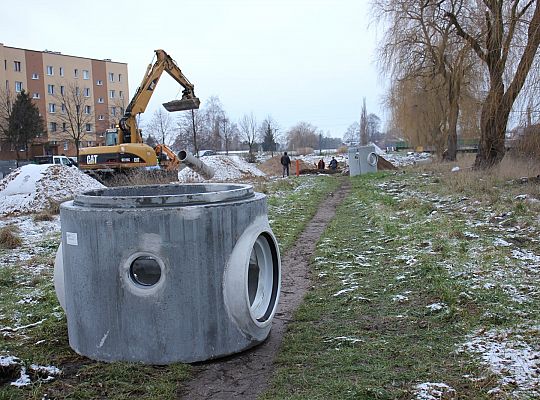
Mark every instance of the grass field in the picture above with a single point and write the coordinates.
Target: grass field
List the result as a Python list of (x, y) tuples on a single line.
[(422, 287)]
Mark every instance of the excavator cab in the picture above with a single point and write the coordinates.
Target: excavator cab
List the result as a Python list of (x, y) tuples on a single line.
[(111, 137)]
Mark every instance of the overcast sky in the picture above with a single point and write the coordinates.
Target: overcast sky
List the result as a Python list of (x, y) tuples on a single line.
[(296, 60)]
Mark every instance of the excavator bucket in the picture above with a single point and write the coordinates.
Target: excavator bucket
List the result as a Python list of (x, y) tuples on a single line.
[(182, 104)]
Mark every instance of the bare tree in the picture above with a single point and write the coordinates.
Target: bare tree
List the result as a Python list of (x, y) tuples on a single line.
[(303, 134), (248, 132), (229, 132), (214, 114), (76, 113), (162, 127), (504, 35), (419, 45), (373, 127), (352, 134), (363, 125)]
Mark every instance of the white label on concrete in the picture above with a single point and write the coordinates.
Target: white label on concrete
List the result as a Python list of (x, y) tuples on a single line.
[(71, 238)]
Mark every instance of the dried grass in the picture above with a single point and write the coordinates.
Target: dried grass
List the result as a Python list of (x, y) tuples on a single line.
[(141, 177), (529, 144), (9, 237), (467, 181)]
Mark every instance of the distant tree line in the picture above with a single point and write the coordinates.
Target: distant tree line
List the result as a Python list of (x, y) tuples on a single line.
[(210, 127)]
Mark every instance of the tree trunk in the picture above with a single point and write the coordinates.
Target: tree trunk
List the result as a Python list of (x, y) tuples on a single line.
[(493, 123), (453, 114)]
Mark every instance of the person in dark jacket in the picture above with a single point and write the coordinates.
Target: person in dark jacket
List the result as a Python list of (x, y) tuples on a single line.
[(285, 162), (321, 164), (333, 164)]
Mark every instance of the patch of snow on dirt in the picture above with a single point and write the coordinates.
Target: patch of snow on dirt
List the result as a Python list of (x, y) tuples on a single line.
[(31, 188), (226, 168), (434, 391), (508, 356)]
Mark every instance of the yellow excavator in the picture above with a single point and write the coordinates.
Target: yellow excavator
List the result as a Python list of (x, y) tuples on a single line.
[(124, 148)]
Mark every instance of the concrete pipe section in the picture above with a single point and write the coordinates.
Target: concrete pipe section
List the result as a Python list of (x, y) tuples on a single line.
[(167, 273)]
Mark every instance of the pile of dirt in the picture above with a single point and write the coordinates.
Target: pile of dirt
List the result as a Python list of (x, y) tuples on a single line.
[(32, 188), (226, 168), (273, 166)]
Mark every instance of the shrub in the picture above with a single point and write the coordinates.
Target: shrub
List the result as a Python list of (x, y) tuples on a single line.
[(529, 143), (9, 237)]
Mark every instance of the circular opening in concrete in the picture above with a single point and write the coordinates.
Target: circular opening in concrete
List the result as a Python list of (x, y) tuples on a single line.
[(164, 195), (263, 278), (145, 271)]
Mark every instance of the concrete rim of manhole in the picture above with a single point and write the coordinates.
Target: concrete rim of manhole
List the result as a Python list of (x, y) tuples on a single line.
[(170, 195)]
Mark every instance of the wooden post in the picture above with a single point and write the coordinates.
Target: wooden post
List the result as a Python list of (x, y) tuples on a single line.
[(297, 167)]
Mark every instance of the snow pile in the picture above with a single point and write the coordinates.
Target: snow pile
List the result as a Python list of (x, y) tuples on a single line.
[(410, 158), (32, 187), (226, 168), (434, 391), (507, 355)]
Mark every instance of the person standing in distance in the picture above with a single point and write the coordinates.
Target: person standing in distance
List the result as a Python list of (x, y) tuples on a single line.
[(285, 162)]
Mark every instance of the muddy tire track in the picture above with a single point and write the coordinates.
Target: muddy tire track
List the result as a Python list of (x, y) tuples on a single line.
[(247, 375)]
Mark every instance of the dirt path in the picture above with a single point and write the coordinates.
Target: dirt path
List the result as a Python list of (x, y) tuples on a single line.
[(247, 375)]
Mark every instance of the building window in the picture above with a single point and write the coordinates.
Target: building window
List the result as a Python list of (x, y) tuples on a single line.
[(61, 71), (50, 89), (52, 126), (119, 77), (64, 127), (5, 65), (86, 92), (111, 76), (121, 94), (101, 117), (62, 91), (111, 94), (63, 108), (36, 96), (88, 127), (87, 109), (66, 145), (113, 111), (18, 86), (89, 143), (100, 100), (85, 74), (99, 82), (77, 91), (52, 107), (121, 110), (50, 70), (35, 76), (17, 66), (76, 73)]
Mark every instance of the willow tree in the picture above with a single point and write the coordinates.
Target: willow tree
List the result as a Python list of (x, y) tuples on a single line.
[(504, 35), (419, 46)]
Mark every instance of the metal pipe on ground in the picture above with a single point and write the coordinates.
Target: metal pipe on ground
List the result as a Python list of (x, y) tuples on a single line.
[(196, 164)]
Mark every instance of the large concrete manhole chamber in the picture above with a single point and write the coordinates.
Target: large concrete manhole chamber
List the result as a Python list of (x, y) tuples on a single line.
[(167, 273)]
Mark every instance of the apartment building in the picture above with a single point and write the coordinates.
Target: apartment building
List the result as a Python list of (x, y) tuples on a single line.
[(49, 77)]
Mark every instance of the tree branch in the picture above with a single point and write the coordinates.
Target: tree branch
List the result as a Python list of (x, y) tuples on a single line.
[(468, 38)]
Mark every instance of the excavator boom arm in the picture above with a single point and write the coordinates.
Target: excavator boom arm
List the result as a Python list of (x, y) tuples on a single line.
[(140, 100)]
